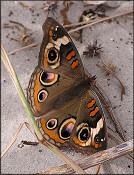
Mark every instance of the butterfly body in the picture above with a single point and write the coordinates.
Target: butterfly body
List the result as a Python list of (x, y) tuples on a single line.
[(60, 94)]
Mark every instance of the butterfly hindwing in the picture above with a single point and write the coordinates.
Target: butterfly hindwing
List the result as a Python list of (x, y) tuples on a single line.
[(89, 134), (56, 126)]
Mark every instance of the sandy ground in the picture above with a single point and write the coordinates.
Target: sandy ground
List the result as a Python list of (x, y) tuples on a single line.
[(117, 46)]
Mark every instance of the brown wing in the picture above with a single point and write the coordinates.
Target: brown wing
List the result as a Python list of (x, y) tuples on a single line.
[(56, 126), (58, 53), (90, 133), (43, 89)]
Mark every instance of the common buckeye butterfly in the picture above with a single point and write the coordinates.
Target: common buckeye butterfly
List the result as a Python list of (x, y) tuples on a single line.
[(60, 94)]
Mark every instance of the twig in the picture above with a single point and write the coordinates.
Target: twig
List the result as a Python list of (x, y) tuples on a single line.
[(130, 17), (24, 142), (26, 47), (96, 20), (71, 31), (7, 26), (64, 13), (94, 159), (101, 20), (80, 23), (117, 139), (24, 38), (22, 4), (14, 22)]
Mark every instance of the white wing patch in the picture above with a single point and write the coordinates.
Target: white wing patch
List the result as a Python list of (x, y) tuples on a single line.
[(88, 142), (56, 44), (50, 45), (64, 40), (95, 131)]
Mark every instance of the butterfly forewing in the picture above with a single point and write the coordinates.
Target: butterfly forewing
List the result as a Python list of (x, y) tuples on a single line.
[(58, 53)]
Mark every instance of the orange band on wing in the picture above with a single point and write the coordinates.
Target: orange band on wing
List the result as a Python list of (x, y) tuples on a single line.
[(50, 33), (45, 59), (52, 133), (70, 55), (76, 140), (93, 143), (52, 28), (96, 145), (100, 145), (92, 114), (36, 90), (74, 64), (90, 104)]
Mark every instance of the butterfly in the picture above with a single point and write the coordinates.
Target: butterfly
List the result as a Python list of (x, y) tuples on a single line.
[(69, 113)]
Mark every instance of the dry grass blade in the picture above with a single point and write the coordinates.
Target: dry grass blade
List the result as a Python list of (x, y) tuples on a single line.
[(6, 61), (30, 128), (16, 135), (97, 169), (94, 159), (13, 140)]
